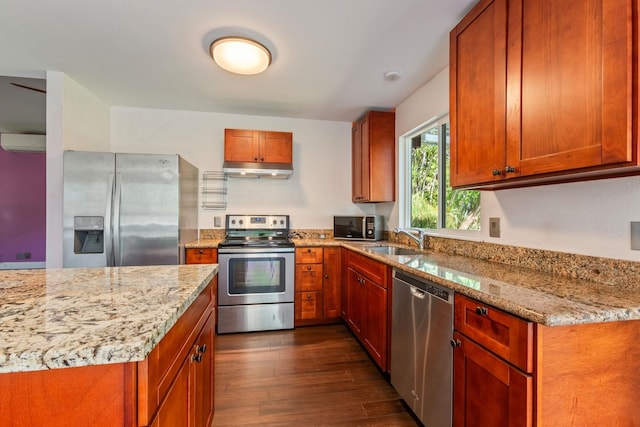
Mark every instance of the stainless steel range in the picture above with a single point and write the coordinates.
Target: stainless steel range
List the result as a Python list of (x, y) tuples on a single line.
[(256, 274)]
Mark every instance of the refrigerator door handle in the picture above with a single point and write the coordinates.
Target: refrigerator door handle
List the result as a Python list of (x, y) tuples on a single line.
[(108, 215), (116, 220)]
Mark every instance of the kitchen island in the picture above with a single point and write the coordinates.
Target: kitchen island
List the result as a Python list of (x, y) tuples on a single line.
[(106, 346)]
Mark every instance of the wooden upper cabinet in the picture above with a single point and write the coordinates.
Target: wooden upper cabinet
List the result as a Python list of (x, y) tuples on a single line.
[(373, 158), (478, 94), (258, 146), (550, 97)]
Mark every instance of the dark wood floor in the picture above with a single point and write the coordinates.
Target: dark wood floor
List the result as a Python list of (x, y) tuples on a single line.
[(308, 376)]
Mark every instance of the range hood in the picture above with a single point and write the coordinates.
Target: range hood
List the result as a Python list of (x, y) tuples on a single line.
[(257, 170)]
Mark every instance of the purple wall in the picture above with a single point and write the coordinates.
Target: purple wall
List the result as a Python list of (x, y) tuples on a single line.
[(22, 206)]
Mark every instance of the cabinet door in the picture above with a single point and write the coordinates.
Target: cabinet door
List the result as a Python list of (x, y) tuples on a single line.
[(487, 391), (375, 322), (276, 147), (359, 168), (478, 67), (174, 410), (332, 270), (241, 145), (201, 379), (355, 301), (576, 84)]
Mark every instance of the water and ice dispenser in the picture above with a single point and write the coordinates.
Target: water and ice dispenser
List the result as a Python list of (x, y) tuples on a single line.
[(88, 234)]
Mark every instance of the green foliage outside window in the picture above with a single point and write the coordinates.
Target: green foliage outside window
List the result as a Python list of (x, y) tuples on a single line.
[(462, 207)]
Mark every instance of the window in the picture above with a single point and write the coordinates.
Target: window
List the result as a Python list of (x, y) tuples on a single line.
[(430, 202)]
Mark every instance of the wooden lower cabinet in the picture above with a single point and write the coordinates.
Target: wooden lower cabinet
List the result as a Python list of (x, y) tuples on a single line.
[(487, 390), (367, 311), (201, 256), (318, 282), (511, 372), (172, 387)]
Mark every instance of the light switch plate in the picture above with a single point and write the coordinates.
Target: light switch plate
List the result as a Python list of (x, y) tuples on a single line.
[(217, 221), (494, 227), (635, 235)]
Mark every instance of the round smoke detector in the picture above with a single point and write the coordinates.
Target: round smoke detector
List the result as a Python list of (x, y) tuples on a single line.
[(392, 76)]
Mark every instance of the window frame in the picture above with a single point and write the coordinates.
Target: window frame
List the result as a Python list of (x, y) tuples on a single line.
[(404, 183)]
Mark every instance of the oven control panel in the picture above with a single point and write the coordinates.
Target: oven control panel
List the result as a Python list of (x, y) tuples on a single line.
[(252, 222)]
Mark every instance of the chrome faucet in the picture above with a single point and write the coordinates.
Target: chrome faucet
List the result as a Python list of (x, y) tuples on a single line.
[(419, 239)]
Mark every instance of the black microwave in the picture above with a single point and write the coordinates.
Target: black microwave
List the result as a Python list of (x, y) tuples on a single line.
[(362, 227)]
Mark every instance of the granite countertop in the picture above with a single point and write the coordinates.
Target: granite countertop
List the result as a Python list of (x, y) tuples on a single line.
[(56, 318), (537, 296), (541, 297)]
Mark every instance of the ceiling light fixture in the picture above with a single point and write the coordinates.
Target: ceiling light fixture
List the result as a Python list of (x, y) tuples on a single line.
[(240, 55)]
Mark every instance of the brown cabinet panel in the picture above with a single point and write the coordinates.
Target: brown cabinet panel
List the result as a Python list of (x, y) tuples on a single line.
[(308, 277), (308, 305), (311, 255), (502, 333), (367, 305), (201, 256), (373, 158), (543, 92), (242, 145), (487, 390), (332, 280)]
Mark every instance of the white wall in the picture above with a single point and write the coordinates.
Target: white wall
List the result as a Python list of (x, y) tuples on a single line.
[(76, 120), (590, 218), (319, 187)]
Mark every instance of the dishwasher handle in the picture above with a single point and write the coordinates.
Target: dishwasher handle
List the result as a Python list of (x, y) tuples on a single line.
[(418, 293)]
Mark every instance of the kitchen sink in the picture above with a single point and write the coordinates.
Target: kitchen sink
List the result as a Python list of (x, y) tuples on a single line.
[(391, 250)]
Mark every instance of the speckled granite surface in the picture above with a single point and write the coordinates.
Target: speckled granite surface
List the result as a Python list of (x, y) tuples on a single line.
[(77, 317), (549, 288)]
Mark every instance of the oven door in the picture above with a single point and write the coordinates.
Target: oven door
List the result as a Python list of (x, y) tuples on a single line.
[(255, 276)]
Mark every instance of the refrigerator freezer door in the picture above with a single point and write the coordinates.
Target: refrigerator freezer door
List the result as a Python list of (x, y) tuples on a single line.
[(147, 209), (86, 205)]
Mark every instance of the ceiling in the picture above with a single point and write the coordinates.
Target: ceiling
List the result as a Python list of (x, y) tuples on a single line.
[(329, 57)]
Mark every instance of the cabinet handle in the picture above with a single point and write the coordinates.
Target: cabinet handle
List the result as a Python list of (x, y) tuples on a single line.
[(456, 343), (201, 348), (509, 169), (196, 358), (482, 311), (496, 172)]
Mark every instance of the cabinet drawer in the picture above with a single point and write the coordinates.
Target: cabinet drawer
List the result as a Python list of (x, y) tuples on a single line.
[(308, 277), (308, 255), (372, 269), (308, 305), (201, 256), (504, 334)]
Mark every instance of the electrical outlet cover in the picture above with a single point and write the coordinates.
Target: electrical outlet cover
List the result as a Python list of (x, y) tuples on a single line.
[(635, 235), (494, 227)]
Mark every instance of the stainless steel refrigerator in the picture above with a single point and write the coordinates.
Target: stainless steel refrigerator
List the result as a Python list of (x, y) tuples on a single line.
[(128, 209)]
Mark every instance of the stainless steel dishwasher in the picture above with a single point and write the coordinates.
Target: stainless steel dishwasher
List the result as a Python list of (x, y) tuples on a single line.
[(421, 352)]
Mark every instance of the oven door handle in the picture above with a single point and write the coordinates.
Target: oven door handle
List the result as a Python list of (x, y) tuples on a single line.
[(254, 250)]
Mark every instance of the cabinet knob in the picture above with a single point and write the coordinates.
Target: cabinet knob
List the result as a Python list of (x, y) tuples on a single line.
[(326, 276), (496, 172), (309, 267), (482, 311), (456, 343), (262, 159), (255, 159), (201, 251), (308, 296), (308, 250), (509, 169)]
